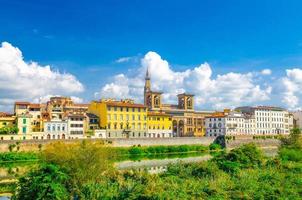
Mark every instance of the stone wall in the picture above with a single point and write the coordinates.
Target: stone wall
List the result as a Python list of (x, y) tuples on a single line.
[(263, 143)]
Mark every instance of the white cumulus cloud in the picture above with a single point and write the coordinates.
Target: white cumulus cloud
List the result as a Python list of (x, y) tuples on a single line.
[(292, 87), (266, 72), (26, 81), (216, 92)]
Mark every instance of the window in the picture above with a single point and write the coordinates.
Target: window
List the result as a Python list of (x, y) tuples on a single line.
[(48, 128), (23, 129), (24, 121)]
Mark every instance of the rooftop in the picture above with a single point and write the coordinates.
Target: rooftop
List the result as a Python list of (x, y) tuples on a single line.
[(34, 105), (4, 114), (21, 103), (158, 114), (185, 94)]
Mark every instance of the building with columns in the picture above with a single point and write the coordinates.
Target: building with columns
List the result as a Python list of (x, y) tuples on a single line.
[(186, 121)]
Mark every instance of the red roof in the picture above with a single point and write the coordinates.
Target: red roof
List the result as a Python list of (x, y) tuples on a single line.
[(123, 104), (21, 103), (4, 114), (158, 114), (35, 105)]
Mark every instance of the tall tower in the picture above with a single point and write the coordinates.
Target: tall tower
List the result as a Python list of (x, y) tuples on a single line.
[(147, 87)]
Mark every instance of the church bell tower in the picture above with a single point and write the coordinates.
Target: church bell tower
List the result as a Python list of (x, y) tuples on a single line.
[(147, 87)]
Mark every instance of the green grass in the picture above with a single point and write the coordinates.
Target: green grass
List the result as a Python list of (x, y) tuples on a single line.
[(18, 156)]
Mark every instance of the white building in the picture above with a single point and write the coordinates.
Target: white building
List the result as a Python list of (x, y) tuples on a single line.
[(76, 126), (270, 120), (250, 121), (56, 129), (231, 123)]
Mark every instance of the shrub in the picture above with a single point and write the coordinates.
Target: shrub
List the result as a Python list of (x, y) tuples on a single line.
[(48, 182), (246, 156), (290, 155), (214, 146), (135, 150)]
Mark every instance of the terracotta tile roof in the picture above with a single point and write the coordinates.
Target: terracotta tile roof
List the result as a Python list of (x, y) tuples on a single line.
[(35, 105), (158, 114), (123, 104), (21, 103), (4, 114), (186, 94)]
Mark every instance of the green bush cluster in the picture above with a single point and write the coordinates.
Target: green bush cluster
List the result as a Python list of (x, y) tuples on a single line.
[(215, 146), (17, 156), (9, 130)]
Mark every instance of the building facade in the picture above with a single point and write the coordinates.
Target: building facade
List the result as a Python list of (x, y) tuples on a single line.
[(159, 125), (230, 123), (270, 120), (76, 126), (55, 129), (121, 119), (260, 120)]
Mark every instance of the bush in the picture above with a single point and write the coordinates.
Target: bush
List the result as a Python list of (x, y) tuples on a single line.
[(290, 155), (246, 156), (214, 146), (17, 156), (135, 150), (48, 182)]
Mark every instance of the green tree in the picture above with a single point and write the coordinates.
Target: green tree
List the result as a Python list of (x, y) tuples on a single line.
[(246, 156), (48, 182)]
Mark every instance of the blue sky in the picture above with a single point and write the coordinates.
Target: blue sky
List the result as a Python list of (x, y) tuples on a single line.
[(85, 38)]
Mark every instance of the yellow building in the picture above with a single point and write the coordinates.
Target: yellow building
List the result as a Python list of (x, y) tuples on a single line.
[(159, 124), (24, 123), (121, 119), (33, 109), (7, 120)]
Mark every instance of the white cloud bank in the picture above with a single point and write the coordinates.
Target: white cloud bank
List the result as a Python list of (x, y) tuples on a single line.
[(226, 90), (27, 81)]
